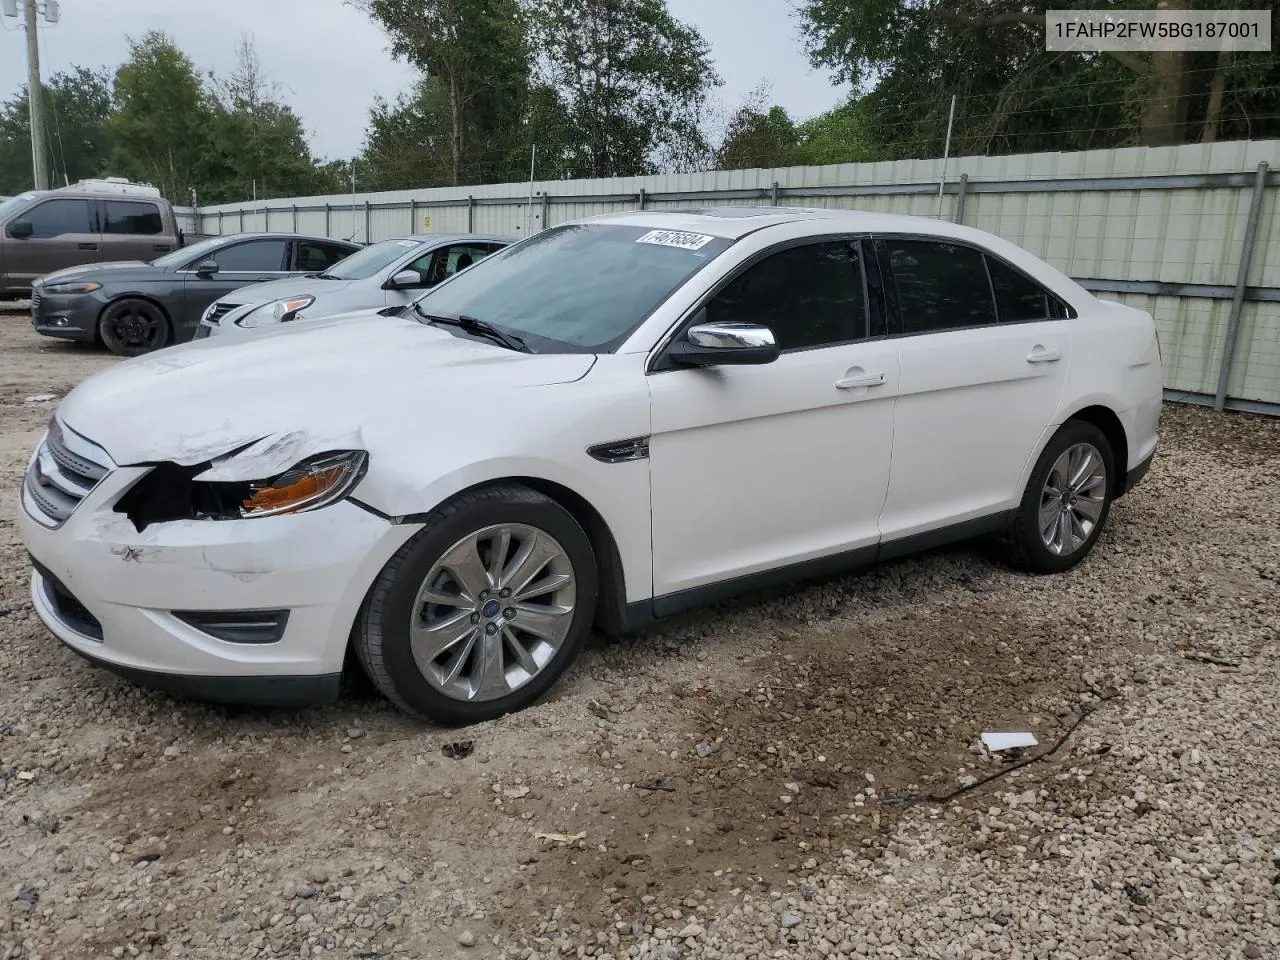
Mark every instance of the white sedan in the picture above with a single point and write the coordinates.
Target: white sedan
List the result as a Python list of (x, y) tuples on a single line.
[(611, 421)]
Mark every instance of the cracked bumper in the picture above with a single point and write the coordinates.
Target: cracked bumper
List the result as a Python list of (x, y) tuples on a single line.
[(317, 566)]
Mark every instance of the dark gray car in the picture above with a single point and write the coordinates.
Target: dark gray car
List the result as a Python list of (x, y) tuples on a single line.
[(134, 307)]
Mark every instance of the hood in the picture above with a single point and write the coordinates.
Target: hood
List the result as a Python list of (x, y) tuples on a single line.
[(291, 392), (279, 289), (89, 269)]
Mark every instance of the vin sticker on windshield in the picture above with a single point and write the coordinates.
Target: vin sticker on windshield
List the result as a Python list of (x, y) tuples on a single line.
[(675, 238)]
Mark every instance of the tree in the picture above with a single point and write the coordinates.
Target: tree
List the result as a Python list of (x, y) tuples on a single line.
[(260, 145), (633, 80), (474, 55), (78, 109), (165, 118), (915, 54), (758, 135)]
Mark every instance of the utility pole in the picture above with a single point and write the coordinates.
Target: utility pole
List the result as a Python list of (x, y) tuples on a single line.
[(35, 100)]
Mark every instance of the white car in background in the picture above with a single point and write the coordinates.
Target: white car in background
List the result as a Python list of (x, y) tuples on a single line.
[(385, 274), (611, 421)]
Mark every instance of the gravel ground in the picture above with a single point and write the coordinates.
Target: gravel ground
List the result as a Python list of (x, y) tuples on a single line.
[(792, 775)]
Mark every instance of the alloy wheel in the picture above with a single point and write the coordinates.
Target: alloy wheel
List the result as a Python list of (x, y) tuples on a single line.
[(1073, 498), (493, 612)]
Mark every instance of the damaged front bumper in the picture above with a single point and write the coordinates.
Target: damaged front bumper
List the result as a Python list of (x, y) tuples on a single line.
[(252, 610)]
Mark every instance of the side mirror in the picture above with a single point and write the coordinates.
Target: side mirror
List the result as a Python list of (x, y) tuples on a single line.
[(714, 344), (21, 229), (206, 268), (406, 278)]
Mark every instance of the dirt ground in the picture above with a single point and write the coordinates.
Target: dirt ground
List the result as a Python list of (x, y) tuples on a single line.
[(731, 754)]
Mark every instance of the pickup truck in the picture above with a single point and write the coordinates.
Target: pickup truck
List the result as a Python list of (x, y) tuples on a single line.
[(90, 222)]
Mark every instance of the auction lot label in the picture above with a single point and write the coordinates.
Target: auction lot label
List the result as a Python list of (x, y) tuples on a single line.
[(1244, 30)]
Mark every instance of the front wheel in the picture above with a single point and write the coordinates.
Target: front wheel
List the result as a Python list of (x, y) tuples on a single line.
[(1066, 502), (130, 327), (483, 610)]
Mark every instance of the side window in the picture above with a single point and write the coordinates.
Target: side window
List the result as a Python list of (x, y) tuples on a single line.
[(131, 216), (316, 257), (941, 286), (810, 296), (462, 255), (53, 218), (1019, 298), (254, 256)]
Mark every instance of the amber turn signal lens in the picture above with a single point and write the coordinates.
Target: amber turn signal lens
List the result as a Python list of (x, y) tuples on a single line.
[(303, 490)]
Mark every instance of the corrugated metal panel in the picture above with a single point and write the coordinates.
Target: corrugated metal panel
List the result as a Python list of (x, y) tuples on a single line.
[(1185, 235)]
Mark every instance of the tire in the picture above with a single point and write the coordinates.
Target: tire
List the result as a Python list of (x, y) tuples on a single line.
[(418, 678), (1031, 543), (131, 326)]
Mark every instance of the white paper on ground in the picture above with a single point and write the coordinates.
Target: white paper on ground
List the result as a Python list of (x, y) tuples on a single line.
[(1008, 741)]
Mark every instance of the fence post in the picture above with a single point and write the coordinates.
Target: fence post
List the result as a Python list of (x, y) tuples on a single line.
[(960, 194), (368, 219), (1242, 279), (413, 216), (295, 218), (241, 212), (471, 214), (642, 198), (220, 230), (327, 231), (773, 194), (546, 209)]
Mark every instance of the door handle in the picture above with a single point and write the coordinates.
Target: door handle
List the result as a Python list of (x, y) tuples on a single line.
[(1041, 355), (87, 246), (863, 380)]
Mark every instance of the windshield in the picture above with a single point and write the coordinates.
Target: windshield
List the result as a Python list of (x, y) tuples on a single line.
[(580, 288), (365, 263), (15, 203), (190, 253)]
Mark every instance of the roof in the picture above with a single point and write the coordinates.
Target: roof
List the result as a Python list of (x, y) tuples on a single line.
[(736, 222), (278, 235), (450, 237)]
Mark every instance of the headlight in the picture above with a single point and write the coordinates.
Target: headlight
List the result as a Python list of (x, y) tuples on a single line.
[(208, 312), (169, 492), (278, 311), (71, 287), (311, 484)]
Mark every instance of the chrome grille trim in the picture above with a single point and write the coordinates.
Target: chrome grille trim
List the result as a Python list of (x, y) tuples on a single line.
[(64, 471)]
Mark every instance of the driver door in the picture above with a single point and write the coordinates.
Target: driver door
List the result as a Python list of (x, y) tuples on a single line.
[(755, 468)]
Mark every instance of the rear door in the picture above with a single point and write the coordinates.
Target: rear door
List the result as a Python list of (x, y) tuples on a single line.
[(239, 264), (132, 230), (984, 353), (64, 233), (316, 256)]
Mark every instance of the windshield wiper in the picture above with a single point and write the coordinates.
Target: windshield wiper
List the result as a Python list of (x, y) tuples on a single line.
[(478, 327), (325, 276)]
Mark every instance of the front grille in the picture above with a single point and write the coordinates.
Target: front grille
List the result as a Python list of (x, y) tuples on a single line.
[(68, 609), (59, 477), (220, 310)]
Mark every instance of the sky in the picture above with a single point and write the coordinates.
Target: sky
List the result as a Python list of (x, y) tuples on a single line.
[(330, 61)]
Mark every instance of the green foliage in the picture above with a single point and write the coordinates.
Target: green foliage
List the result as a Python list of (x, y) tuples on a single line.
[(77, 109), (633, 81), (912, 56), (757, 136)]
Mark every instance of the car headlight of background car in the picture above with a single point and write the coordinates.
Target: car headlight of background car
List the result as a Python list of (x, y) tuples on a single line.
[(171, 492), (278, 311), (72, 286)]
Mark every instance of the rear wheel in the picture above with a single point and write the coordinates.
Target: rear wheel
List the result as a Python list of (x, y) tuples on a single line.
[(481, 612), (1066, 502), (130, 327)]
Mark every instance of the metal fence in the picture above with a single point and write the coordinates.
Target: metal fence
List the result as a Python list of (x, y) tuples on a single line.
[(1191, 233)]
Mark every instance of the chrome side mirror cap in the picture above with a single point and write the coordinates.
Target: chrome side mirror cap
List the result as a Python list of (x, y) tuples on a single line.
[(406, 278), (714, 344)]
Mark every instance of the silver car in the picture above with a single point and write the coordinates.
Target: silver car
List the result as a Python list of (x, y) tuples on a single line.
[(385, 274)]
